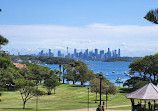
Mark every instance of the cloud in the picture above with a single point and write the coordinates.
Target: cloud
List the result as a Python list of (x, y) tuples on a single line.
[(102, 36), (123, 44)]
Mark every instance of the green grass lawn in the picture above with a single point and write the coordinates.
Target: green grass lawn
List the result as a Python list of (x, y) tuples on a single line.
[(67, 97)]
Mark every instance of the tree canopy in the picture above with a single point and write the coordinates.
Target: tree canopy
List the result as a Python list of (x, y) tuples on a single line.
[(147, 68), (78, 71), (105, 85), (3, 41), (152, 16)]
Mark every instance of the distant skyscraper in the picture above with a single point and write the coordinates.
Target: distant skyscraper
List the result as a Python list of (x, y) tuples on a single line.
[(50, 53), (96, 52), (115, 54), (109, 53), (86, 52), (80, 54), (59, 53), (119, 53), (67, 51), (41, 53), (101, 52), (75, 51)]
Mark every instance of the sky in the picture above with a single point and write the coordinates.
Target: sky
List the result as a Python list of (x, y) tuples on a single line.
[(35, 25)]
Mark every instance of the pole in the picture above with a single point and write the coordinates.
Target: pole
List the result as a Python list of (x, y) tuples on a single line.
[(36, 99), (88, 99), (100, 90), (106, 98), (96, 97)]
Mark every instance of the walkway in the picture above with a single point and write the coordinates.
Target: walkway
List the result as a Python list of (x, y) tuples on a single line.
[(94, 109)]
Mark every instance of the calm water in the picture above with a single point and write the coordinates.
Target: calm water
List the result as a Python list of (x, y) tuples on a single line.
[(107, 68)]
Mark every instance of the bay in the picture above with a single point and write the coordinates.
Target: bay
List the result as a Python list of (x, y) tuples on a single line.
[(111, 70)]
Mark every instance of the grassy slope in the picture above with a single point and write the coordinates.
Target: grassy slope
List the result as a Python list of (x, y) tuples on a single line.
[(66, 98)]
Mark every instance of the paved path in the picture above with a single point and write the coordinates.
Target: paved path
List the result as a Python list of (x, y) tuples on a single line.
[(94, 109)]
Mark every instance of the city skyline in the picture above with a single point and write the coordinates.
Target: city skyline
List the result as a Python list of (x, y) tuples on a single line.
[(58, 24), (87, 54)]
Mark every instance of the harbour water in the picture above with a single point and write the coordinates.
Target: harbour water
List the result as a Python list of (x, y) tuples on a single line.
[(111, 70)]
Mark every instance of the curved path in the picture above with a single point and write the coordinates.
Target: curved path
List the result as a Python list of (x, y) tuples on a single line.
[(94, 109)]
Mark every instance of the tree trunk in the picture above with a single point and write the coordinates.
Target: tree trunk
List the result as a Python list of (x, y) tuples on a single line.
[(81, 83), (63, 81), (49, 92), (73, 82), (54, 90), (24, 104)]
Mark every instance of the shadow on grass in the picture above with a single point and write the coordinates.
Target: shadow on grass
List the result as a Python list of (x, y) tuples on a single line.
[(87, 102), (125, 90), (16, 108), (78, 86)]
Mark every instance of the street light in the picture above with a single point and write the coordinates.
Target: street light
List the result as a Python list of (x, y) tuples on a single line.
[(88, 96), (96, 93), (106, 95), (101, 77)]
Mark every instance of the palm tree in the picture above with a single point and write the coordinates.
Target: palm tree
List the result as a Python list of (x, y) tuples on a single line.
[(152, 16)]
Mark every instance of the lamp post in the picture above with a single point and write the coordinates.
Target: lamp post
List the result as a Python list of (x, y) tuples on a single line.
[(106, 95), (88, 96), (101, 76), (96, 93)]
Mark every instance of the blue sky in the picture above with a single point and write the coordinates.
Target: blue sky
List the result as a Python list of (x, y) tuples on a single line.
[(32, 25)]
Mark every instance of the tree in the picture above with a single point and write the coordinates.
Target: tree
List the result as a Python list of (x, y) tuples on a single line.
[(95, 84), (78, 71), (9, 76), (146, 66), (38, 73), (3, 41), (50, 84), (82, 70), (71, 73), (4, 63), (152, 16), (58, 73), (27, 90)]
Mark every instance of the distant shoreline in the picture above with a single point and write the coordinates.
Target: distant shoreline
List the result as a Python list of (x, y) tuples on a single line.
[(123, 59)]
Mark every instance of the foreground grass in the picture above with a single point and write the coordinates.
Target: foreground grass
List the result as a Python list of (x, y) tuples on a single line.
[(121, 108), (67, 97)]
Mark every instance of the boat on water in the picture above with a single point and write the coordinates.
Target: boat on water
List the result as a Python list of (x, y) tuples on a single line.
[(125, 72), (113, 71), (107, 74)]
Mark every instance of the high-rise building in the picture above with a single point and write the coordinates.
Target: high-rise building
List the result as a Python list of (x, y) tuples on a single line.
[(90, 54), (119, 53), (109, 53), (59, 53), (80, 54), (86, 52), (96, 52), (75, 51), (50, 53), (101, 52), (41, 53), (67, 51)]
